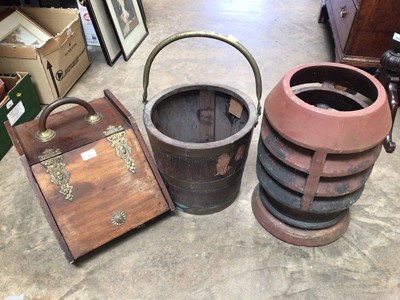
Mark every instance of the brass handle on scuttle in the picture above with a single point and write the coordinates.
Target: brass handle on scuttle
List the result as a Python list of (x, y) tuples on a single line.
[(208, 34), (45, 134)]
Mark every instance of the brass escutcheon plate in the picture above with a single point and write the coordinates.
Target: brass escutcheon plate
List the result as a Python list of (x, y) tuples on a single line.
[(116, 135), (53, 161)]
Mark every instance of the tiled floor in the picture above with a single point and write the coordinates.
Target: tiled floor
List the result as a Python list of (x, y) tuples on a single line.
[(227, 255)]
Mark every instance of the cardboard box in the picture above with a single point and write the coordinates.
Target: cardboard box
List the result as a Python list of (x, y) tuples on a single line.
[(56, 65), (20, 105)]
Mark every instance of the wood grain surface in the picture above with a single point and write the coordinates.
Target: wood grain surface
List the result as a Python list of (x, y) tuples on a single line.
[(101, 186)]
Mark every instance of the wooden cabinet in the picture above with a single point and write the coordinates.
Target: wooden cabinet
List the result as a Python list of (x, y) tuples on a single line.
[(362, 29)]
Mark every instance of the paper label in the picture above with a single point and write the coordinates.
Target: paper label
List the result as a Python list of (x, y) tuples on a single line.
[(9, 104), (16, 113), (396, 36), (235, 108), (88, 154)]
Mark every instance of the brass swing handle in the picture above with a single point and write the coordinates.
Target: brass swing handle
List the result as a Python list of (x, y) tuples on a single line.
[(45, 134), (208, 34)]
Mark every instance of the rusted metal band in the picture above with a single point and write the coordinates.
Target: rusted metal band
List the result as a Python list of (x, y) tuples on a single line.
[(296, 181), (299, 158), (312, 222), (203, 185), (305, 92), (292, 199), (206, 152), (292, 234)]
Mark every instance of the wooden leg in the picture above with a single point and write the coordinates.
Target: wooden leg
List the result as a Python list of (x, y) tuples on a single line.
[(323, 14)]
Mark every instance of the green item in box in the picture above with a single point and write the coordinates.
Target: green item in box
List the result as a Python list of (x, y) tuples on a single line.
[(20, 105)]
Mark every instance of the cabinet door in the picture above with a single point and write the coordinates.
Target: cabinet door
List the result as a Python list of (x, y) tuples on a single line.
[(373, 29), (343, 12)]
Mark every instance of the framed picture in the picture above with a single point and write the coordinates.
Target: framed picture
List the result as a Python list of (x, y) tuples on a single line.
[(104, 30), (128, 24), (142, 10), (16, 28)]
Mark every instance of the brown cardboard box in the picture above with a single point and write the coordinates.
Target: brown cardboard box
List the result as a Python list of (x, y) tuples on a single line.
[(56, 65)]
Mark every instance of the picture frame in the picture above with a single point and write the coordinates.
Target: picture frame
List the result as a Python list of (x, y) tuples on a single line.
[(104, 30), (128, 23), (142, 10), (16, 28)]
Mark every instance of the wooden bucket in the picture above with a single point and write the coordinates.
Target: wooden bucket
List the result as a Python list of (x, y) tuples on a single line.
[(200, 135)]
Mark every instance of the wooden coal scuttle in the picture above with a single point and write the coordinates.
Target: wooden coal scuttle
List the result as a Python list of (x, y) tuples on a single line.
[(91, 171)]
